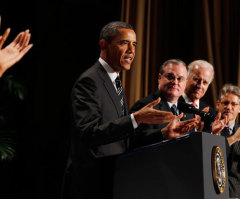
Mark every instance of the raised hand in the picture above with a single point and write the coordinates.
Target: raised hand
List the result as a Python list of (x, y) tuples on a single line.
[(13, 52), (219, 124)]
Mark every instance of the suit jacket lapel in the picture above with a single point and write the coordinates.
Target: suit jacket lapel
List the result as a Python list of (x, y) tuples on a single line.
[(125, 102), (110, 88), (202, 105), (163, 105)]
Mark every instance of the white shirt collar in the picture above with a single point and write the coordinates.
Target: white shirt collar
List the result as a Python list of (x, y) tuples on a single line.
[(112, 74), (170, 104), (188, 101)]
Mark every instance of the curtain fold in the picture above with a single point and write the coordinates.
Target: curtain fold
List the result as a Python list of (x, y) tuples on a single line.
[(136, 80)]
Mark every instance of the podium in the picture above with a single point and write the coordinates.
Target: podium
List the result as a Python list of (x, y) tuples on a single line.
[(181, 168)]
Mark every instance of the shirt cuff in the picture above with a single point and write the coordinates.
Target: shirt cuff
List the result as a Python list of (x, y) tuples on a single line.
[(135, 125)]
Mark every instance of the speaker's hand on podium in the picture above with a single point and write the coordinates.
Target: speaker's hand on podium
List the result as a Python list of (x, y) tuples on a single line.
[(178, 128), (149, 115)]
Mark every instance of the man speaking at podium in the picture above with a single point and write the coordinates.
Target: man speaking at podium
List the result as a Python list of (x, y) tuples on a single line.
[(101, 125)]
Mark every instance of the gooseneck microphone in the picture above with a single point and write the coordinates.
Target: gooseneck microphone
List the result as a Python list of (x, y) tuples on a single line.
[(188, 108)]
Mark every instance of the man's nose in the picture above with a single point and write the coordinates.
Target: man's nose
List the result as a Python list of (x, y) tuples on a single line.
[(131, 48), (200, 84)]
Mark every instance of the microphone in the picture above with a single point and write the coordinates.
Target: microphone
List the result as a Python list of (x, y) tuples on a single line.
[(188, 108)]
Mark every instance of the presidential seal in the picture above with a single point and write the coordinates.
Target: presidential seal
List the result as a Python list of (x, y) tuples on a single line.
[(218, 169)]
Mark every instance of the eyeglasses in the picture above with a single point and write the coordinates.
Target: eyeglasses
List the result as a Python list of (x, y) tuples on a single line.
[(172, 77), (226, 103)]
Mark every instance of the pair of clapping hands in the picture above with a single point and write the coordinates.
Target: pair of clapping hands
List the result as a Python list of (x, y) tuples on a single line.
[(14, 51)]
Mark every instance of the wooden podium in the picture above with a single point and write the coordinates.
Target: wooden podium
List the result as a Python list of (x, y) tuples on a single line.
[(182, 168)]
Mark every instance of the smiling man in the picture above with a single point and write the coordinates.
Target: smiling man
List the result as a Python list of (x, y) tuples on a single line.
[(172, 80), (200, 76), (171, 84)]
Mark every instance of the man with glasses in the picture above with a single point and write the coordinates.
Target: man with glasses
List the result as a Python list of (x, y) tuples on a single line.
[(172, 79), (228, 106)]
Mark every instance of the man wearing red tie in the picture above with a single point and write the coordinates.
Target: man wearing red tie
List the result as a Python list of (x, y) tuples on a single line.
[(200, 76)]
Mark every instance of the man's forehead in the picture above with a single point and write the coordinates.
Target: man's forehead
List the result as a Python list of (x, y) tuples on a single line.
[(230, 96), (199, 69), (175, 67)]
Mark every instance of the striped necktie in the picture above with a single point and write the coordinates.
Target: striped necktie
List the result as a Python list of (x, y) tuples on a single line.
[(174, 110), (120, 93)]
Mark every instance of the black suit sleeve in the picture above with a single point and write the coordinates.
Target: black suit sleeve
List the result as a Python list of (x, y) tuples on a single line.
[(146, 134)]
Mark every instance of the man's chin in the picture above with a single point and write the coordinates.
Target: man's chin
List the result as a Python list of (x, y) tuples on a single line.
[(173, 94), (196, 96), (126, 67), (226, 115)]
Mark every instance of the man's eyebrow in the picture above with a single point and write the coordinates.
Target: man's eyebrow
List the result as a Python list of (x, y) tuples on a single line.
[(125, 40)]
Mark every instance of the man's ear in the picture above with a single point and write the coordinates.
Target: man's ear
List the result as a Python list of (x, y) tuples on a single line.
[(217, 105), (238, 109), (159, 77), (102, 44)]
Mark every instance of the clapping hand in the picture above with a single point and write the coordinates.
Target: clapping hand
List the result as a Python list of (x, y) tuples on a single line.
[(219, 124), (149, 115), (178, 128), (13, 52)]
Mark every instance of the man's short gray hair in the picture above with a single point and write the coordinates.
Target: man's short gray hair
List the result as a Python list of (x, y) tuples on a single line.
[(229, 88), (202, 64)]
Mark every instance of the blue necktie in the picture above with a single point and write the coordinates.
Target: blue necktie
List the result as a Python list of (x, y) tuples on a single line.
[(174, 110)]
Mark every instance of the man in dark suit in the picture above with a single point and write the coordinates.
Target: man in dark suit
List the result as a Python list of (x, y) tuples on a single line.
[(101, 125), (172, 79), (228, 105), (200, 76)]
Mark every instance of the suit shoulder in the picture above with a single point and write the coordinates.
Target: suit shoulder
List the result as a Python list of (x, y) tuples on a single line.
[(203, 105), (141, 103), (89, 79), (91, 73)]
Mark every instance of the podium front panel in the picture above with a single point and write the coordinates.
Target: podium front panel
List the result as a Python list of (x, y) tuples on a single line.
[(176, 169)]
